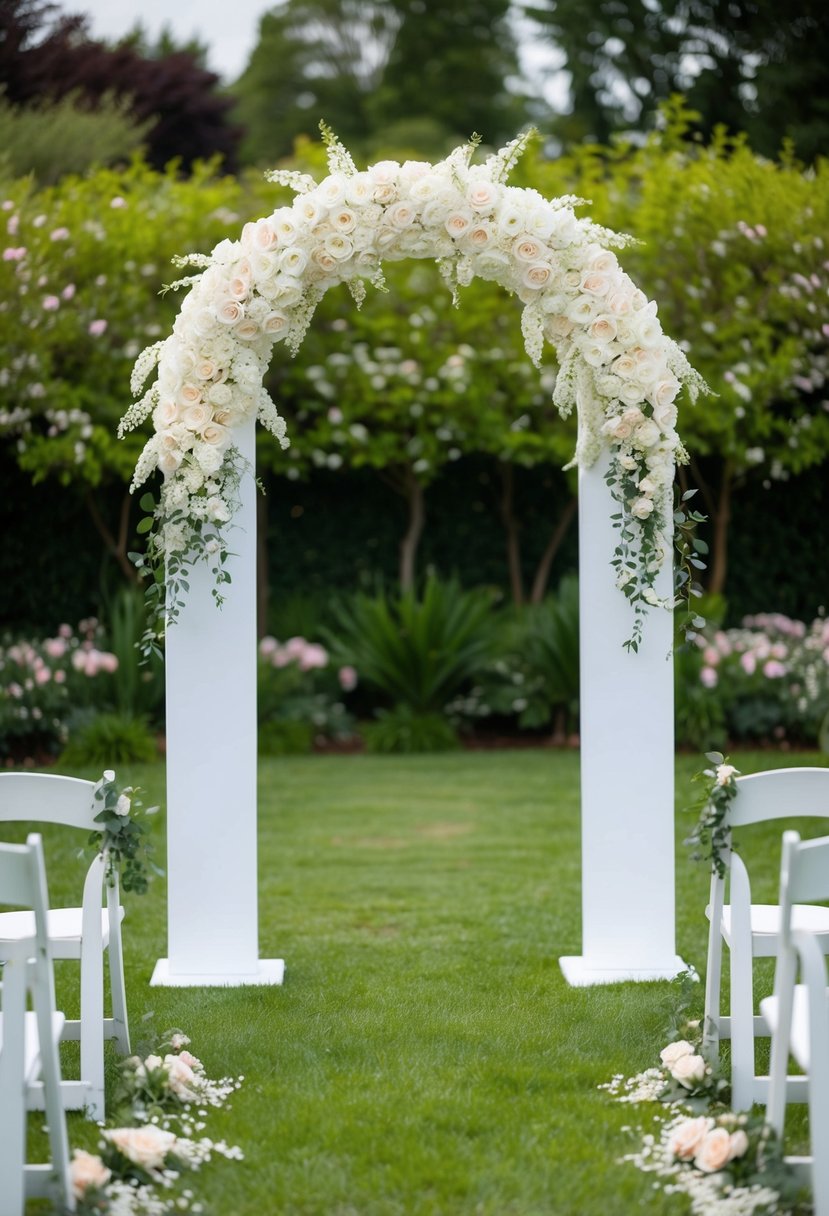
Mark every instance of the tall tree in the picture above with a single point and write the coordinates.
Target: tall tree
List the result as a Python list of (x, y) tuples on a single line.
[(752, 65)]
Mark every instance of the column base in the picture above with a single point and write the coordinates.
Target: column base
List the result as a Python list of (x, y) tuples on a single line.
[(268, 971), (581, 973)]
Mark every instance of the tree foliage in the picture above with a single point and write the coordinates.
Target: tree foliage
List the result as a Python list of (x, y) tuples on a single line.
[(753, 65), (46, 57), (383, 72)]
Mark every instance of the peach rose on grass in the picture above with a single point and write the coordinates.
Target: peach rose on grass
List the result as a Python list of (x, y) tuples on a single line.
[(715, 1151), (147, 1147), (85, 1171), (687, 1137)]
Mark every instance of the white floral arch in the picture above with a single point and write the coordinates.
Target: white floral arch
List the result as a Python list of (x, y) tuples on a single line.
[(616, 365)]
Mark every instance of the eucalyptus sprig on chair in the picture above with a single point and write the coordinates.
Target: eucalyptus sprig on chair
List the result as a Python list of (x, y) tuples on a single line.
[(711, 833), (122, 836)]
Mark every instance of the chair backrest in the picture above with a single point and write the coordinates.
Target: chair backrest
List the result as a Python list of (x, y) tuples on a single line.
[(804, 873), (46, 798), (23, 880), (783, 793)]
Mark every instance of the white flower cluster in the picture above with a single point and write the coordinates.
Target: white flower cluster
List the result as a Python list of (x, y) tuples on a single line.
[(617, 366)]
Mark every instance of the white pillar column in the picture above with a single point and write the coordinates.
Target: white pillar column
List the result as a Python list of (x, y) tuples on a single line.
[(212, 908), (627, 766)]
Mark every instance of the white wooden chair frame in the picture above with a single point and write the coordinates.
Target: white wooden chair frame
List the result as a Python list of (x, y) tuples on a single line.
[(29, 1054), (75, 933), (799, 1013), (752, 930)]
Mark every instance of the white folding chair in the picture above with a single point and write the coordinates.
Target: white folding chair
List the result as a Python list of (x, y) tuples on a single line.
[(752, 930), (82, 933), (798, 1014), (29, 1041)]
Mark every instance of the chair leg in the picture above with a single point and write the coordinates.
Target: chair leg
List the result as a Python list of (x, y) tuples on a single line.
[(92, 1032), (118, 992), (713, 975), (12, 1091), (52, 1097), (742, 1028)]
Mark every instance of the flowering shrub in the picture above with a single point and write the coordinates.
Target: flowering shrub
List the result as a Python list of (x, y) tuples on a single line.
[(42, 683), (770, 675), (300, 695)]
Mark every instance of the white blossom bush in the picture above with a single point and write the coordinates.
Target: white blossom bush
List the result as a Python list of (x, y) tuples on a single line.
[(616, 365)]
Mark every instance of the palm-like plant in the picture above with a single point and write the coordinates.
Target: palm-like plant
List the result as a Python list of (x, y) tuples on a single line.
[(418, 650)]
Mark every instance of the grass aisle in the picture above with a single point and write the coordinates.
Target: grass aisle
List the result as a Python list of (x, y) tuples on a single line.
[(424, 1057)]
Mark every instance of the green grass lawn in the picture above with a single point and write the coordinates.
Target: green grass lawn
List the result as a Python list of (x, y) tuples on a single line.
[(424, 1055)]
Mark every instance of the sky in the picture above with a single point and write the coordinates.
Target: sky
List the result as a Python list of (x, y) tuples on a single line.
[(230, 29)]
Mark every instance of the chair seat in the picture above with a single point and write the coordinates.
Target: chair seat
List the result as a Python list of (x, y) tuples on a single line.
[(64, 929), (765, 923), (31, 1047), (800, 1022)]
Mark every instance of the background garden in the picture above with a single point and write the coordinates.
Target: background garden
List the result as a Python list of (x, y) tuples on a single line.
[(416, 572)]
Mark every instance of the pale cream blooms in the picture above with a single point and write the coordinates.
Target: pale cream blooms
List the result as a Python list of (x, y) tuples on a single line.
[(583, 309), (86, 1170), (688, 1136), (217, 510), (675, 1051), (197, 416), (572, 278), (632, 392), (400, 215), (594, 353), (603, 329), (247, 330), (339, 246), (617, 428), (625, 366), (595, 282), (189, 394), (169, 461), (688, 1070), (479, 235), (714, 1152), (230, 312), (147, 1147), (663, 392), (179, 1040), (483, 195), (181, 1078), (739, 1143), (275, 323), (311, 209), (209, 459), (220, 394), (537, 275), (343, 219), (189, 1059), (332, 191), (458, 222), (724, 773), (527, 249), (206, 369), (294, 260), (620, 303), (324, 260), (646, 434), (641, 508), (217, 436), (264, 235), (122, 806), (238, 288), (166, 413), (604, 261), (558, 327)]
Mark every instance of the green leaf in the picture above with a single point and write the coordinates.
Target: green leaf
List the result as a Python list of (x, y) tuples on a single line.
[(145, 525)]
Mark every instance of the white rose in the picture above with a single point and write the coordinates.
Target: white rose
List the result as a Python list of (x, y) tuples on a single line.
[(169, 461), (632, 392), (582, 310), (724, 773), (595, 283), (714, 1152), (478, 236), (332, 191), (196, 416), (230, 312), (324, 260), (620, 303), (343, 219), (617, 428), (401, 215), (458, 222), (604, 262), (166, 413), (339, 246), (642, 508), (87, 1170), (688, 1070), (264, 236), (510, 221), (526, 249), (739, 1143), (247, 330), (482, 195), (558, 327), (293, 260), (646, 434), (209, 459), (122, 806), (663, 392), (147, 1147), (216, 435), (688, 1136), (537, 275), (217, 510), (603, 329), (675, 1051)]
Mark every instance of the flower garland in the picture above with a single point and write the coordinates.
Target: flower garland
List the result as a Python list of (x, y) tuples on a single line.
[(140, 1164), (616, 364), (121, 836), (711, 836)]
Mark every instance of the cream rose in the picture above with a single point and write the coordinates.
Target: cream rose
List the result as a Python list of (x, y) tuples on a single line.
[(147, 1147), (724, 773), (482, 196), (85, 1171), (714, 1152), (339, 246), (401, 215), (526, 249), (230, 312), (603, 329), (181, 1078), (206, 369), (293, 261), (343, 219), (642, 508), (537, 275), (275, 323), (214, 434), (675, 1051), (458, 223), (688, 1136), (595, 283), (688, 1070), (197, 416), (646, 434), (169, 461)]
